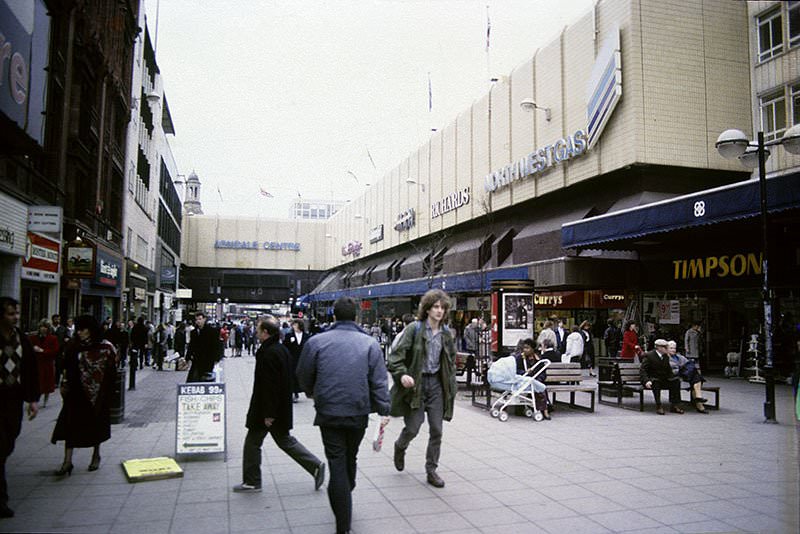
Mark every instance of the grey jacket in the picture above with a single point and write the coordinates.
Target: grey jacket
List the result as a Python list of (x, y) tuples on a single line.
[(343, 369)]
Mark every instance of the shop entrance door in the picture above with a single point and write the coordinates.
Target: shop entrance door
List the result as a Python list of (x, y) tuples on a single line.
[(33, 307)]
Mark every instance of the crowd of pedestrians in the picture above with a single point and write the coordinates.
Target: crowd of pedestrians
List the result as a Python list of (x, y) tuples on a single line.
[(343, 366)]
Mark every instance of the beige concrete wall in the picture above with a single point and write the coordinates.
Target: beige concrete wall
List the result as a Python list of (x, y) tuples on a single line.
[(685, 78), (201, 232)]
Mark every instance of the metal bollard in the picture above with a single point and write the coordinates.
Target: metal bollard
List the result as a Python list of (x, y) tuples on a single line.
[(132, 365), (118, 397)]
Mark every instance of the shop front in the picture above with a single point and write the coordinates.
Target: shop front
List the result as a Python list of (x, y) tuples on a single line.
[(40, 276), (573, 307), (701, 259), (13, 229), (100, 296)]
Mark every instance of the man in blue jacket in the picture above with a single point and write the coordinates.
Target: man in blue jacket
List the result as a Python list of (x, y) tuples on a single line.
[(343, 370)]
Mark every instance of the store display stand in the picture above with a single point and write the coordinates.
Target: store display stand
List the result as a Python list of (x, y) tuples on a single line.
[(756, 378)]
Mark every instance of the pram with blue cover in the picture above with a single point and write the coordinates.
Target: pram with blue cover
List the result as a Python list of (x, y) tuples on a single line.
[(514, 389)]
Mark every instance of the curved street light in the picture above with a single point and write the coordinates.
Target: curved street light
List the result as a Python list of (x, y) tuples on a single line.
[(735, 144)]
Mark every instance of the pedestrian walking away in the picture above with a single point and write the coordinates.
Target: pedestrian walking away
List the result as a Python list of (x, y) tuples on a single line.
[(424, 372), (205, 349), (19, 383), (342, 368), (271, 412)]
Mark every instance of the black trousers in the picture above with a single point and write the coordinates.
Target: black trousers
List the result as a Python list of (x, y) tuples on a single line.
[(251, 462), (341, 448), (10, 425), (672, 384)]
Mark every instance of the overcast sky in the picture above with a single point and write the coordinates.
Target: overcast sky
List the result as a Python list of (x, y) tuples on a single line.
[(294, 96)]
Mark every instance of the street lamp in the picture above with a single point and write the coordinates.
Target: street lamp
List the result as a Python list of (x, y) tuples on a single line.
[(530, 105), (735, 144)]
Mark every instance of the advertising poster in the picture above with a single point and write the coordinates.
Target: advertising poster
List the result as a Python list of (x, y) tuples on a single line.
[(80, 261), (200, 426), (517, 318), (41, 259)]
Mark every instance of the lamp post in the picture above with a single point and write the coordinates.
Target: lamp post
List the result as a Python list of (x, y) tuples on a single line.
[(735, 144)]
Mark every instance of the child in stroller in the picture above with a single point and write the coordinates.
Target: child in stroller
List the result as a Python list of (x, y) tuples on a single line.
[(519, 389)]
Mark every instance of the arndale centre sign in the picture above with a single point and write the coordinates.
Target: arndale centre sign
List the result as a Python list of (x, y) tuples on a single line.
[(538, 161)]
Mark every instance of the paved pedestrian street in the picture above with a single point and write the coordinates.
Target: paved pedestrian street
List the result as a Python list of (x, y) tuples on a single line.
[(611, 471)]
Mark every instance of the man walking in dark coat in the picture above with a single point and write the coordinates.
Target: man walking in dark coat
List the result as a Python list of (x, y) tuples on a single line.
[(656, 374), (19, 382), (139, 343), (271, 412), (205, 349), (343, 370)]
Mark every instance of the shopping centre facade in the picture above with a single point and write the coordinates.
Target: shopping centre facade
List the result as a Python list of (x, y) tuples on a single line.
[(591, 170)]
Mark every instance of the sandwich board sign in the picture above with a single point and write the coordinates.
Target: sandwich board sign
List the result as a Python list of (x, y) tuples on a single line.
[(200, 425)]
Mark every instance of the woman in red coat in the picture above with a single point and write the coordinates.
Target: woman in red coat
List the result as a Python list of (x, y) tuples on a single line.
[(45, 346), (630, 341)]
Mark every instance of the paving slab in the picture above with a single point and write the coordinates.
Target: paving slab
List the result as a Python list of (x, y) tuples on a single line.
[(580, 472)]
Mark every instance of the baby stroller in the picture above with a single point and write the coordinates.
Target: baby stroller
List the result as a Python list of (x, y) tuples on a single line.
[(521, 394)]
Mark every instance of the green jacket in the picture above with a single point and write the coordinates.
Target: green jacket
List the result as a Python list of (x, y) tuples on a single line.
[(408, 357)]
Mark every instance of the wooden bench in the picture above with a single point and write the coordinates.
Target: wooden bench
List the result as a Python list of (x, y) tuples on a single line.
[(567, 377), (627, 379)]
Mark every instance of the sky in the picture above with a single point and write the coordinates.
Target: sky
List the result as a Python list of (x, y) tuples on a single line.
[(319, 98)]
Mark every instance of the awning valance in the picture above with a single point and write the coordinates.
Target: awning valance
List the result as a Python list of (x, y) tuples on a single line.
[(727, 203)]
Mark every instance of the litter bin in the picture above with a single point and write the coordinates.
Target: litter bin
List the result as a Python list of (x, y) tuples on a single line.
[(118, 397)]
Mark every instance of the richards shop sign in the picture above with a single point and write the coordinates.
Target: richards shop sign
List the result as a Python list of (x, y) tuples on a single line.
[(537, 162)]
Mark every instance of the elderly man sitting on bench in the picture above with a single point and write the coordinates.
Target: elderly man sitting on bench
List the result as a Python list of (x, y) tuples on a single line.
[(656, 374)]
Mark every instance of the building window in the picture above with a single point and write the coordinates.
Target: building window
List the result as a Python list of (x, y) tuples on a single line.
[(773, 115), (794, 24), (795, 101), (770, 35)]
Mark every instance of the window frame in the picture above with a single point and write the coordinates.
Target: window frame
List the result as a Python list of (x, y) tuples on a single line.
[(769, 101), (794, 103), (790, 7), (768, 18)]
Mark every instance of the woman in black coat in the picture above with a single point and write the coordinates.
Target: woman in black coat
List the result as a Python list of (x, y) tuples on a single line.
[(90, 365), (295, 341)]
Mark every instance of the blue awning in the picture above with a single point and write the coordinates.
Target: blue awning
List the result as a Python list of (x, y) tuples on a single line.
[(470, 282), (727, 203)]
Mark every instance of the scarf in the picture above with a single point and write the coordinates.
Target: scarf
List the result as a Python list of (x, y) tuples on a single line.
[(94, 359)]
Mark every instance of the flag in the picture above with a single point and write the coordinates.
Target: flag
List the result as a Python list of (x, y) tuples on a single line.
[(299, 195), (266, 193), (430, 93), (488, 28), (371, 160), (220, 194)]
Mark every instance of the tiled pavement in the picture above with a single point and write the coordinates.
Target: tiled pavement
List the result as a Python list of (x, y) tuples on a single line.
[(611, 471)]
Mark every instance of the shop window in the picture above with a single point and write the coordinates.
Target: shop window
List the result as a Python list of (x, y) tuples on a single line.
[(770, 35), (794, 24), (773, 115), (795, 104)]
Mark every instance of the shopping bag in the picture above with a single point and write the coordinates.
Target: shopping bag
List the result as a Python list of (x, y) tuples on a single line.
[(377, 439)]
